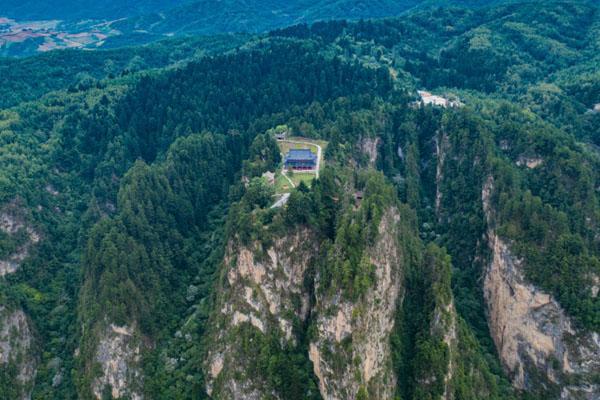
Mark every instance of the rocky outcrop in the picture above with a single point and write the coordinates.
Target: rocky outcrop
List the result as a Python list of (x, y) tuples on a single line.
[(370, 147), (16, 338), (537, 342), (118, 356), (441, 150), (263, 289), (529, 162), (13, 223), (351, 351), (17, 348), (444, 325)]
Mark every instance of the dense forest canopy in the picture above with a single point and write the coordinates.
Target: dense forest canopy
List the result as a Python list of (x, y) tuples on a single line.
[(131, 176)]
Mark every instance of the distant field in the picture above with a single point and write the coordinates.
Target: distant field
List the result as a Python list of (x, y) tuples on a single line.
[(26, 38)]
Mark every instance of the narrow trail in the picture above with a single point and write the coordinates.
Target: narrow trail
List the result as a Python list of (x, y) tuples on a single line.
[(288, 178), (282, 201)]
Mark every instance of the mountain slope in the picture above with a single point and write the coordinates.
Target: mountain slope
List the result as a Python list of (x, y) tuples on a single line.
[(32, 77), (443, 253), (73, 10), (116, 25), (208, 17)]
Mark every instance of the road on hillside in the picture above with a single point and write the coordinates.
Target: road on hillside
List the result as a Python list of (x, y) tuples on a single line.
[(282, 201)]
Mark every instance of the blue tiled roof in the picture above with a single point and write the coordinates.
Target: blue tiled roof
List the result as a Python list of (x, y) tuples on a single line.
[(300, 155)]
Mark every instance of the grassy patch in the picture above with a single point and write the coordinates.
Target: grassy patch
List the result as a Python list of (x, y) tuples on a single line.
[(306, 177), (282, 185)]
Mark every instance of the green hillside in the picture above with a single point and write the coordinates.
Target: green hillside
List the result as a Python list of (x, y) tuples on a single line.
[(108, 24), (443, 252)]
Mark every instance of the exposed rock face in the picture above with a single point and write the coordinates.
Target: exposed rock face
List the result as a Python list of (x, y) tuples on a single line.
[(352, 348), (370, 147), (118, 354), (16, 348), (536, 340), (12, 223), (444, 324), (16, 338), (263, 290), (441, 149), (530, 162)]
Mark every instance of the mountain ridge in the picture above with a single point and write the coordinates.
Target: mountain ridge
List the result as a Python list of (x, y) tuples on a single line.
[(448, 250), (118, 25)]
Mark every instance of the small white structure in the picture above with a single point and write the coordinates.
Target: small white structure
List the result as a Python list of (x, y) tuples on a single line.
[(280, 132), (597, 108), (430, 99)]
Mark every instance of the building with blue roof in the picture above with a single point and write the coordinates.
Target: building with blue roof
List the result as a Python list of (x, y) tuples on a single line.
[(300, 159)]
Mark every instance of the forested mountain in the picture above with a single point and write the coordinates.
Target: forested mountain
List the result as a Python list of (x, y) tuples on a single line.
[(73, 10), (255, 16), (449, 249), (24, 79), (110, 24)]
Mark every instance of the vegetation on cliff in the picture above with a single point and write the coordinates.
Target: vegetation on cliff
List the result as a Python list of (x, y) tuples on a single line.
[(137, 180)]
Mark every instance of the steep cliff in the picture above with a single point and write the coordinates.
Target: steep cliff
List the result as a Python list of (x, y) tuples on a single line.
[(435, 354), (306, 315), (538, 343), (118, 357), (441, 150), (440, 357), (369, 147), (444, 325), (21, 238), (262, 304), (18, 359), (351, 347), (111, 341)]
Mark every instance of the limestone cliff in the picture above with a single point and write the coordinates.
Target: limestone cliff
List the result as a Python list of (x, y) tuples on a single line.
[(16, 337), (538, 343), (12, 223), (441, 150), (17, 349), (262, 296), (351, 350), (444, 325), (448, 363), (118, 357), (370, 148)]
